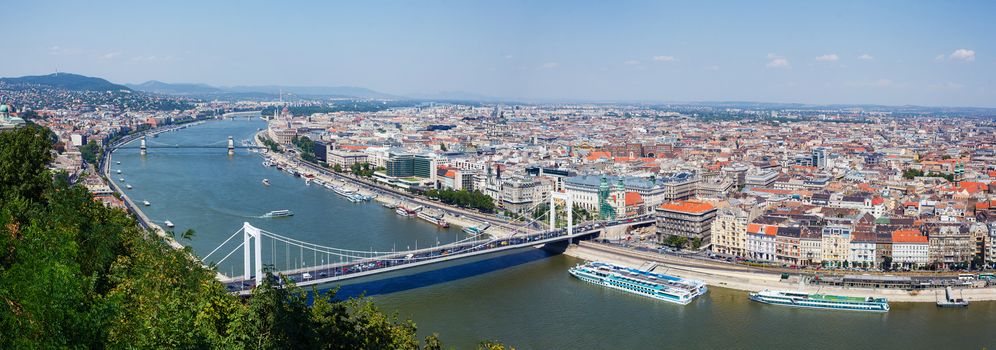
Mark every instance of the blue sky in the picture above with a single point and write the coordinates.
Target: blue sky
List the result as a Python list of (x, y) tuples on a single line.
[(924, 53)]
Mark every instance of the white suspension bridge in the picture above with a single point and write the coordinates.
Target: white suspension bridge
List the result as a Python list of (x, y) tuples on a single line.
[(308, 263)]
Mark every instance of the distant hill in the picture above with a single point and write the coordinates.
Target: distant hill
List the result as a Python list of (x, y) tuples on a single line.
[(331, 91), (67, 81), (158, 87), (259, 91)]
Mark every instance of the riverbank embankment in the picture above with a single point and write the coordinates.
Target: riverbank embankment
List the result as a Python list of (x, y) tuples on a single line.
[(463, 219), (746, 279)]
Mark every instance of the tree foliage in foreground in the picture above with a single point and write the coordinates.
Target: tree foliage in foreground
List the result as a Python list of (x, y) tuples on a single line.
[(74, 273)]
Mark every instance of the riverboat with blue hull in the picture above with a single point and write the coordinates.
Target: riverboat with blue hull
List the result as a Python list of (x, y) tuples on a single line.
[(821, 301), (653, 285)]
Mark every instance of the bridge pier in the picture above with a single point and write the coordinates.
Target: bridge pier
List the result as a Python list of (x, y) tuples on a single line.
[(231, 146), (143, 150)]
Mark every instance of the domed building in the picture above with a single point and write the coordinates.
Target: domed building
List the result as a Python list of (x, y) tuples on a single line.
[(7, 121)]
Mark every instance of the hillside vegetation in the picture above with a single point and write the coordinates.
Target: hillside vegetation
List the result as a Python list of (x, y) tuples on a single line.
[(74, 273)]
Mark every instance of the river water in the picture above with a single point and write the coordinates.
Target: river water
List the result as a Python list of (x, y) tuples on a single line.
[(533, 304)]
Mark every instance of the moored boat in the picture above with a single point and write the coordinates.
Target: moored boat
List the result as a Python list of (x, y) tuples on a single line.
[(146, 203), (475, 230), (434, 219), (645, 283), (169, 224), (821, 301), (401, 210), (266, 182)]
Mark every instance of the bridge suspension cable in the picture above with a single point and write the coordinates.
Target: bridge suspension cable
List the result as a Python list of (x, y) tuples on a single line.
[(222, 244), (230, 253)]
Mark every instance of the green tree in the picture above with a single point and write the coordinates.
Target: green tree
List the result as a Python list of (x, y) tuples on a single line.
[(90, 152), (911, 173), (676, 241), (23, 158)]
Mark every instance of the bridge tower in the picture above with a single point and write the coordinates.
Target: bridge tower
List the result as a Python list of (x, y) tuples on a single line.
[(251, 234), (231, 146), (569, 209), (143, 150)]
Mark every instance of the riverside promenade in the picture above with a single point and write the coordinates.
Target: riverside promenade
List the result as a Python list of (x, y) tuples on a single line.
[(454, 216), (750, 279)]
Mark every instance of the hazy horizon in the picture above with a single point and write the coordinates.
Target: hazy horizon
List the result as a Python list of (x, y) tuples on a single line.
[(890, 53)]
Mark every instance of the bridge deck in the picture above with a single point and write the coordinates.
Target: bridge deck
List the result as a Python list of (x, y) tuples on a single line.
[(400, 261)]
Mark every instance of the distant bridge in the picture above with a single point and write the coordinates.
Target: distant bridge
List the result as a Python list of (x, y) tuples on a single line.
[(193, 146), (144, 145)]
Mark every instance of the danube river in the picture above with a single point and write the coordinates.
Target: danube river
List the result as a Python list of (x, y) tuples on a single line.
[(532, 305)]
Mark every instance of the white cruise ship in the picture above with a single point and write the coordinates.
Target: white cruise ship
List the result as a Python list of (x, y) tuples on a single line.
[(821, 301), (653, 285)]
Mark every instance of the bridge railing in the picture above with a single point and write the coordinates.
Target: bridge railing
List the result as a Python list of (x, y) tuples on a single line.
[(418, 256)]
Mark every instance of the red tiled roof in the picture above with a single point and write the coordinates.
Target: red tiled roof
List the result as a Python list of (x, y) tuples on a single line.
[(633, 198), (688, 206), (599, 155), (767, 230), (908, 236), (353, 147)]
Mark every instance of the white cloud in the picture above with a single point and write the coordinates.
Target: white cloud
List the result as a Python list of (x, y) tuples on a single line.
[(63, 51), (111, 55), (866, 57), (963, 55), (776, 61), (631, 62), (549, 65), (831, 57), (879, 83), (939, 57), (665, 58), (508, 56)]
